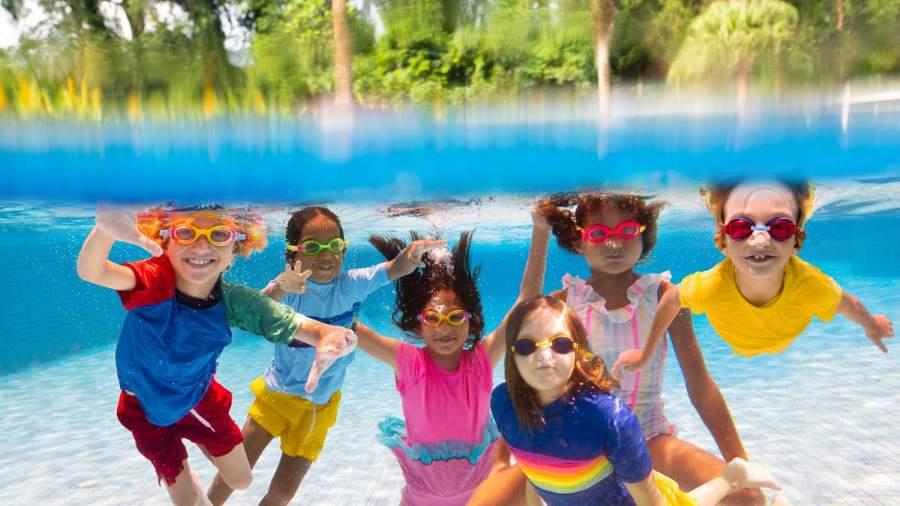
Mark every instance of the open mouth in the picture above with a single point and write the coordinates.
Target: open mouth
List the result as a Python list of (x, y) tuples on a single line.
[(199, 262), (760, 259)]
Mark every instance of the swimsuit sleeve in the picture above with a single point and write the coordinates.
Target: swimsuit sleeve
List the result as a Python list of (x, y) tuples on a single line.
[(366, 280), (154, 282), (822, 293), (249, 310), (625, 445), (410, 366), (688, 292)]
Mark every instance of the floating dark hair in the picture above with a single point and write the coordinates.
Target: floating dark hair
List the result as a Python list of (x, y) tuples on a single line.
[(567, 225), (417, 288)]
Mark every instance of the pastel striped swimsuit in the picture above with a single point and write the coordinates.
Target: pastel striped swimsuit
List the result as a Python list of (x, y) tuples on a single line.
[(610, 332)]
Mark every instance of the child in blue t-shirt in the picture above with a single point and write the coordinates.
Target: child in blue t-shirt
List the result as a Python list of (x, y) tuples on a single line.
[(576, 443), (179, 313), (293, 401)]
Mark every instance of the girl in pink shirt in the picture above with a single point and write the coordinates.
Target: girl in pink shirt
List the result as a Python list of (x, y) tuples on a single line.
[(445, 446)]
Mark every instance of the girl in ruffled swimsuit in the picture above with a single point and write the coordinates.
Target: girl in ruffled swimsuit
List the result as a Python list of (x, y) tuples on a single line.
[(446, 444)]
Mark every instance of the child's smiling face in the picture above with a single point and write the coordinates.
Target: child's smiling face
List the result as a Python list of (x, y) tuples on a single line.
[(444, 339), (198, 265), (760, 256), (325, 265)]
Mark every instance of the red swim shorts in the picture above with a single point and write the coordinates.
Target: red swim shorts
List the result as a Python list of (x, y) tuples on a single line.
[(208, 425)]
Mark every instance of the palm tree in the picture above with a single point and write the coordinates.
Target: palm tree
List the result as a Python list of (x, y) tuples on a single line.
[(343, 58), (602, 13), (731, 36)]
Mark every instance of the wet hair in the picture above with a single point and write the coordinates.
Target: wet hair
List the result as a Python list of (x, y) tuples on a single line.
[(417, 288), (716, 195), (153, 221), (590, 374), (294, 230), (567, 225)]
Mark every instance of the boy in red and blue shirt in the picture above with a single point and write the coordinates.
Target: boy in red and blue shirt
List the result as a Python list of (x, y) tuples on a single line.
[(180, 311)]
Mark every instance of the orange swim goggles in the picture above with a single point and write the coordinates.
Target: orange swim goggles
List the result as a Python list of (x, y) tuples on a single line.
[(187, 233)]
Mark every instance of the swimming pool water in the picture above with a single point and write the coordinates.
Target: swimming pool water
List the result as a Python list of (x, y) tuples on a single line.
[(821, 416)]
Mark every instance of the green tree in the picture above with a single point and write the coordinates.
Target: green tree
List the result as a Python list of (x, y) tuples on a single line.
[(730, 37)]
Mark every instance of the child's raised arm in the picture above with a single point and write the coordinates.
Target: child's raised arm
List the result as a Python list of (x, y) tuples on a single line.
[(877, 327), (93, 263), (289, 281), (380, 347), (410, 257), (532, 282), (666, 311)]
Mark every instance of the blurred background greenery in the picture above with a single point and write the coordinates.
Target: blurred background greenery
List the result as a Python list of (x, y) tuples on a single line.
[(151, 59)]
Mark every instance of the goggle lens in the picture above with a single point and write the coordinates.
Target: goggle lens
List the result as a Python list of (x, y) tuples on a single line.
[(782, 229)]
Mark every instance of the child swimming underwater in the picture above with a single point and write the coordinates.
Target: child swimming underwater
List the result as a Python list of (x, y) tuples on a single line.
[(761, 296), (445, 444), (576, 442), (284, 406), (180, 311)]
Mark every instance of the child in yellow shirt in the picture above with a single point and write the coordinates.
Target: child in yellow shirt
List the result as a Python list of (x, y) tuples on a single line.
[(762, 296)]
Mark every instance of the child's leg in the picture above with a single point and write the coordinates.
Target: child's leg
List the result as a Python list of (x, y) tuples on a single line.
[(286, 481), (691, 467), (737, 474), (186, 491), (255, 441)]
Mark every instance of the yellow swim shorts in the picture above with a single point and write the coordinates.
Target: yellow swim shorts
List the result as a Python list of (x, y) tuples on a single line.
[(301, 425), (673, 495)]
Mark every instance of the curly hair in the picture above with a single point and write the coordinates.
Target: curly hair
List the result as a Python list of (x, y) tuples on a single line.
[(153, 221), (590, 374), (716, 195), (417, 288), (567, 225), (294, 230)]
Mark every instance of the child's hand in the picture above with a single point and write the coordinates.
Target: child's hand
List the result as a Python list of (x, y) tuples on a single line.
[(292, 281), (334, 342), (742, 474), (629, 360), (120, 224), (539, 221), (414, 252), (881, 329)]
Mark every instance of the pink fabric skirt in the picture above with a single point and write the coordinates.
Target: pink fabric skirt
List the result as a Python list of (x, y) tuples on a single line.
[(442, 482)]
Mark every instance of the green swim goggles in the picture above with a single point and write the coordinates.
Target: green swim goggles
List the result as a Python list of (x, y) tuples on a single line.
[(312, 247)]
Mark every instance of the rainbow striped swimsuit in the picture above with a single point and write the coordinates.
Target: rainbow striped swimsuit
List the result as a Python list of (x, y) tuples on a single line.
[(611, 332), (589, 445)]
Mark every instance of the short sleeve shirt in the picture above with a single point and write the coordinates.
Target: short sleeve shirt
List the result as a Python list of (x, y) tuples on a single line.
[(336, 303), (588, 447), (750, 329)]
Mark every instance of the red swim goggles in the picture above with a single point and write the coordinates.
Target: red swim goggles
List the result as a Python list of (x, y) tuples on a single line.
[(599, 233), (780, 229)]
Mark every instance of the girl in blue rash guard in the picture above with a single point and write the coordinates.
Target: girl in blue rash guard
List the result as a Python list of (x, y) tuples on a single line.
[(284, 405), (576, 443)]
